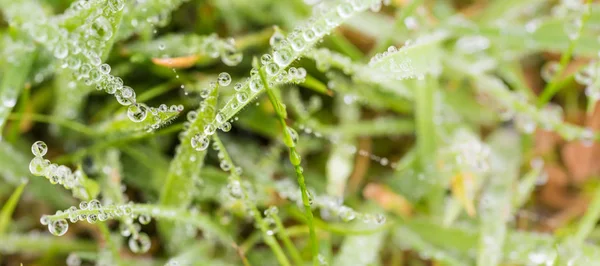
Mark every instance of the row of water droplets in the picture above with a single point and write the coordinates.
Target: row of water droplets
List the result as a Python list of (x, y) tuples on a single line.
[(285, 51), (394, 63), (80, 51), (516, 107), (11, 49), (329, 206), (144, 16), (56, 174), (201, 140), (467, 153), (93, 211), (211, 46)]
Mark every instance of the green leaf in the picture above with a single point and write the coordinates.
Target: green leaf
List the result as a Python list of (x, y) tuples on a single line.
[(496, 204), (9, 207), (19, 57), (361, 250), (184, 171)]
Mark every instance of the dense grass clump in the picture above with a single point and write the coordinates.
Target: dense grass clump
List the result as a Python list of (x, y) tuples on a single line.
[(299, 132)]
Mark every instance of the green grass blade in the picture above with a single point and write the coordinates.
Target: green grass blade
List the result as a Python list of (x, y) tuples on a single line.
[(9, 206), (496, 206)]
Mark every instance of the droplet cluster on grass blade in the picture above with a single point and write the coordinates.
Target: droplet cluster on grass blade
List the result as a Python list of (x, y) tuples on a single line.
[(56, 174), (331, 207)]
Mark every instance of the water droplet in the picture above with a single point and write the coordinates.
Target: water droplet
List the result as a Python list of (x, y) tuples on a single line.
[(225, 127), (94, 204), (266, 59), (230, 56), (116, 5), (38, 167), (256, 84), (587, 137), (309, 35), (83, 205), (200, 142), (380, 218), (144, 219), (140, 243), (209, 129), (276, 39), (61, 51), (137, 112), (298, 44), (235, 189), (39, 148), (282, 57), (73, 260), (104, 68), (344, 10), (224, 79), (272, 69), (58, 227), (238, 86), (44, 220), (347, 214), (241, 97), (92, 218), (125, 95), (102, 28), (549, 70), (191, 116)]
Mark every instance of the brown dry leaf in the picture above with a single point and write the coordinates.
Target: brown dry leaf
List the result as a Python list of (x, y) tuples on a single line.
[(553, 193), (361, 165), (387, 199), (581, 159), (363, 42), (177, 62), (545, 141), (532, 77), (574, 210)]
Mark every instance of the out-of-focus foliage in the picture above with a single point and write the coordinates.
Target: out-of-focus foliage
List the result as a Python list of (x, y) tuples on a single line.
[(299, 132)]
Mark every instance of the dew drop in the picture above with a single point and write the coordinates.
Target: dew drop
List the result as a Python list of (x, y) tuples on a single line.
[(276, 39), (241, 97), (225, 127), (200, 142), (139, 243), (58, 227), (38, 167), (104, 68), (116, 5), (137, 112), (191, 116), (230, 56), (238, 86), (256, 85), (61, 51), (94, 204), (209, 129), (344, 10), (282, 57), (380, 219), (144, 219), (224, 79), (125, 95), (272, 69), (92, 218), (73, 260), (549, 70), (44, 220), (39, 148)]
